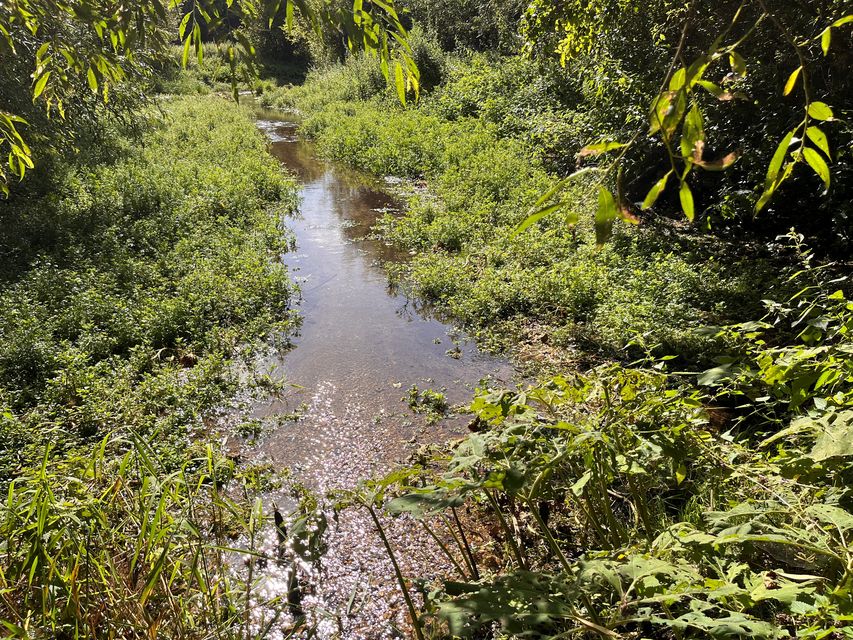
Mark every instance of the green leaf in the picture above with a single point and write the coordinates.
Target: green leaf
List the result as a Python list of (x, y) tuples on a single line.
[(41, 51), (711, 377), (678, 79), (661, 106), (599, 148), (820, 111), (715, 90), (655, 191), (668, 112), (535, 217), (816, 162), (288, 16), (199, 48), (93, 80), (577, 487), (826, 40), (185, 56), (686, 197), (41, 83), (819, 139), (772, 180), (836, 439), (842, 21), (422, 503), (692, 133), (400, 82), (737, 63), (792, 81), (605, 215), (829, 514), (538, 211), (182, 29)]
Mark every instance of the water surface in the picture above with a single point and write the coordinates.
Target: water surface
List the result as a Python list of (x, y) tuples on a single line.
[(360, 347)]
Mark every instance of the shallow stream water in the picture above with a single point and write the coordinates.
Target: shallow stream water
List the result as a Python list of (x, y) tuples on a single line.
[(359, 349)]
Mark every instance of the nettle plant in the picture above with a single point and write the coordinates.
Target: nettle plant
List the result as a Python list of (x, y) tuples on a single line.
[(677, 115)]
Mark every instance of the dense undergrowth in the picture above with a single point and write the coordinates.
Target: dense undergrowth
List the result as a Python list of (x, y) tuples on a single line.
[(681, 468), (134, 276), (640, 502), (553, 292)]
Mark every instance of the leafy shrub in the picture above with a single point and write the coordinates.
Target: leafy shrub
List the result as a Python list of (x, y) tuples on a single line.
[(626, 500)]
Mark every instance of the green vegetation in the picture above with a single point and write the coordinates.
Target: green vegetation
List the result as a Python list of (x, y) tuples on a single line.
[(646, 204), (134, 276), (644, 287), (681, 468), (637, 501), (61, 62), (430, 402)]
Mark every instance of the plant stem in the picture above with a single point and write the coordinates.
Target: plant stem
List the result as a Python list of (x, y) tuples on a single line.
[(510, 536), (397, 572)]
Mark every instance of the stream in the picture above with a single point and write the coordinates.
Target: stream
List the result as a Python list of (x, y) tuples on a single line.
[(344, 416)]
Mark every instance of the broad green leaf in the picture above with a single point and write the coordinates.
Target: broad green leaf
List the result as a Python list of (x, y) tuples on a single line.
[(686, 197), (826, 40), (182, 29), (819, 139), (605, 215), (678, 79), (660, 107), (92, 79), (792, 81), (816, 162), (674, 113), (839, 518), (836, 439), (692, 132), (820, 111), (712, 376), (41, 51), (842, 21), (41, 83), (288, 16), (578, 486), (400, 82), (655, 191), (425, 502)]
